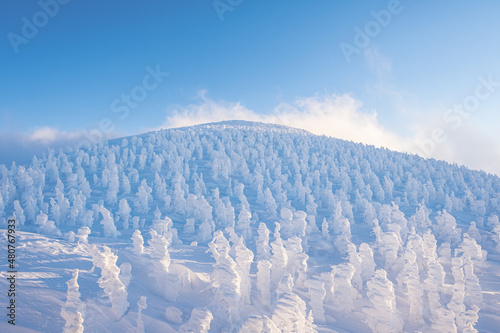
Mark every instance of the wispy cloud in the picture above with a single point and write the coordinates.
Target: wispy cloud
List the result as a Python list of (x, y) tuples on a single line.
[(343, 116), (21, 147), (333, 115)]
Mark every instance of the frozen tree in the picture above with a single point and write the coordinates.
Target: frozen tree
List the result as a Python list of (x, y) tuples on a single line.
[(70, 236), (290, 314), (279, 258), (138, 242), (143, 197), (355, 260), (142, 305), (125, 273), (264, 282), (73, 311), (471, 318), (19, 213), (456, 304), (135, 222), (189, 227), (317, 294), (389, 245), (345, 293), (205, 232), (474, 295), (259, 324), (262, 242), (166, 284), (382, 316), (108, 223), (474, 232), (409, 277), (243, 224), (244, 259), (285, 285), (271, 206), (87, 219), (179, 201), (297, 260), (434, 283), (342, 231), (124, 213), (324, 231), (173, 315), (109, 280), (367, 262), (444, 254), (470, 248), (446, 229), (421, 219), (300, 227), (126, 184), (83, 235), (443, 321), (225, 279), (286, 222), (328, 279), (113, 186), (198, 322), (45, 226)]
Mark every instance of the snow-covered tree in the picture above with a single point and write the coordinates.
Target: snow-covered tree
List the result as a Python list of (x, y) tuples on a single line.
[(166, 284), (243, 224), (45, 226), (264, 282), (290, 314), (73, 311), (244, 258), (143, 197), (271, 206), (108, 223), (259, 324), (262, 242), (317, 294), (109, 280), (225, 279), (409, 277), (382, 316), (19, 213), (367, 262), (355, 260), (124, 213), (446, 229), (198, 322), (142, 305), (345, 293), (138, 242), (279, 258), (83, 235)]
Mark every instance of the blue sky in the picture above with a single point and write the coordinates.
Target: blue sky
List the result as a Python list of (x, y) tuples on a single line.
[(268, 61)]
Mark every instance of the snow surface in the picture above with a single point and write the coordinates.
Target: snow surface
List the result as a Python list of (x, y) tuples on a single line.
[(249, 227)]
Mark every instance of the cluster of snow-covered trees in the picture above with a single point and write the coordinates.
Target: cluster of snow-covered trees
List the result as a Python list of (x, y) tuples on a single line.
[(396, 237)]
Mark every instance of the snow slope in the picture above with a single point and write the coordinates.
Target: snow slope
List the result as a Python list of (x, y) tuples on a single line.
[(248, 227)]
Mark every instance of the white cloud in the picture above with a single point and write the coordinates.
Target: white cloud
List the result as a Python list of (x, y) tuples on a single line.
[(48, 135), (337, 116), (21, 147), (344, 117)]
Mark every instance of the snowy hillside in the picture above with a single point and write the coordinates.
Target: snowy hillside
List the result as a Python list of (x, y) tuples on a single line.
[(249, 227)]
